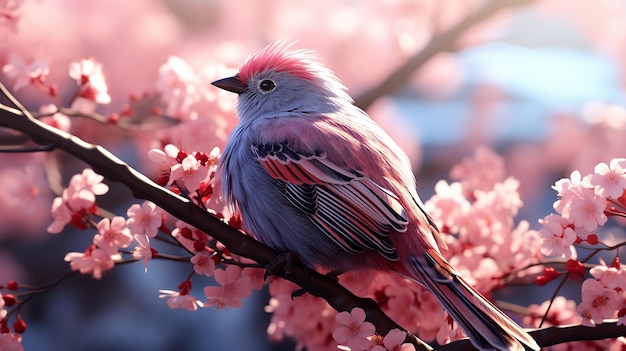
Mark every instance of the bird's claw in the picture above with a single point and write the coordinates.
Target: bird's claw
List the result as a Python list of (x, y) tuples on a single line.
[(282, 261)]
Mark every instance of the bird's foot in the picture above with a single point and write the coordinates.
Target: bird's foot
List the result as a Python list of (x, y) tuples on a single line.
[(282, 262), (334, 275)]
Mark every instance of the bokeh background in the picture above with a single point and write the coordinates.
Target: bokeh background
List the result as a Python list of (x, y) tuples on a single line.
[(541, 83)]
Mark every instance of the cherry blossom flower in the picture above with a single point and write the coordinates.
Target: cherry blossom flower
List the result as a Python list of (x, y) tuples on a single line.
[(143, 250), (203, 263), (55, 118), (177, 299), (610, 181), (569, 189), (89, 180), (3, 312), (233, 287), (112, 234), (92, 85), (471, 171), (448, 204), (24, 73), (587, 211), (190, 171), (598, 302), (561, 312), (144, 219), (558, 236), (10, 342), (611, 277), (188, 236), (165, 158), (61, 215), (94, 260), (352, 329), (176, 84), (394, 341)]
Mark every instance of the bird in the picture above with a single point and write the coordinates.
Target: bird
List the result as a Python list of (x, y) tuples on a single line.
[(310, 173)]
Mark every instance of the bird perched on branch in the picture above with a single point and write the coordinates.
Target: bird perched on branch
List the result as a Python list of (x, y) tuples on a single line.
[(312, 174)]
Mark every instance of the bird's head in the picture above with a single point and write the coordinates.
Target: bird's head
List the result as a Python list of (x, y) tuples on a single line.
[(278, 82)]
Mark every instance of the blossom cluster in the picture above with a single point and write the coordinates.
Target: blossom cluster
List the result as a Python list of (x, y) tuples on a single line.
[(584, 204)]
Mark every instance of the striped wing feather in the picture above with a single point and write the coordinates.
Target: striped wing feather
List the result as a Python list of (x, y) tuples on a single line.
[(351, 209)]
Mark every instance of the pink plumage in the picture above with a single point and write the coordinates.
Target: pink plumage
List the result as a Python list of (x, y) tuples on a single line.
[(277, 58), (312, 174)]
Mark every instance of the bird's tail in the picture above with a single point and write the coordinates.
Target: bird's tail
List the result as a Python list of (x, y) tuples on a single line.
[(486, 326)]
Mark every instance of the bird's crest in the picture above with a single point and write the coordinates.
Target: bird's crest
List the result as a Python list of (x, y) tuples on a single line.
[(278, 57)]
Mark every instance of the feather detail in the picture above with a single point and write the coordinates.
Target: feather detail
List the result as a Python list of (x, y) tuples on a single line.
[(351, 209), (487, 327)]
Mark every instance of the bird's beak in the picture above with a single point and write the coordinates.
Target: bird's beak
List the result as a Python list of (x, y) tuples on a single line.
[(232, 84)]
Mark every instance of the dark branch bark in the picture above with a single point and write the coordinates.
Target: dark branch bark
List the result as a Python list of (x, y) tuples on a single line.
[(445, 41)]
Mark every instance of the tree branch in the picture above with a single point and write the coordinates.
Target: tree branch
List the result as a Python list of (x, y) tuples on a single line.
[(439, 43)]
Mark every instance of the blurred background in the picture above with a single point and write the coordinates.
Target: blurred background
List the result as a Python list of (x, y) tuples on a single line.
[(541, 82)]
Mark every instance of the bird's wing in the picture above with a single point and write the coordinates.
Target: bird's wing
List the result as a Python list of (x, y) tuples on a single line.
[(351, 209)]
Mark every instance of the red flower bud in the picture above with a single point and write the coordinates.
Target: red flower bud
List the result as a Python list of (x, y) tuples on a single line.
[(12, 285), (592, 239), (9, 299), (198, 245), (19, 326), (541, 280), (575, 267)]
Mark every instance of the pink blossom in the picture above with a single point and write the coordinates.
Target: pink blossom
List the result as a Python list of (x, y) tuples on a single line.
[(112, 234), (611, 277), (501, 201), (3, 312), (558, 236), (569, 189), (90, 78), (89, 180), (10, 342), (190, 171), (24, 73), (609, 181), (257, 277), (587, 211), (165, 158), (145, 218), (143, 250), (78, 199), (394, 341), (449, 204), (196, 235), (177, 300), (598, 302), (471, 171), (61, 215), (176, 84), (203, 263), (233, 287), (95, 261), (54, 118), (562, 312), (352, 329)]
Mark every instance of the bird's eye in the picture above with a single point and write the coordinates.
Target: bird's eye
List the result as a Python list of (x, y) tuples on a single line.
[(267, 85)]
